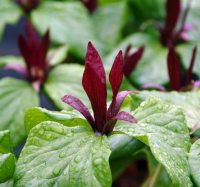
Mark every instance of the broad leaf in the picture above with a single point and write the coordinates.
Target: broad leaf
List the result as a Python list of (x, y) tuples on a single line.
[(68, 22), (8, 59), (194, 160), (122, 145), (65, 79), (9, 14), (56, 155), (109, 21), (162, 127), (58, 55), (16, 97), (7, 159), (188, 101), (193, 20), (37, 115)]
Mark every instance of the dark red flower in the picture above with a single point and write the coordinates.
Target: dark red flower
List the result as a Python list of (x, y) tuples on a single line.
[(174, 70), (28, 5), (94, 84), (131, 60), (170, 32), (91, 5), (34, 53)]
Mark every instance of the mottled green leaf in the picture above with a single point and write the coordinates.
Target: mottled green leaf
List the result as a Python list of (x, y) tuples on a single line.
[(57, 155), (194, 160), (162, 127), (7, 159), (8, 59), (9, 14), (188, 101), (37, 115), (109, 21), (68, 22), (16, 98), (65, 80), (58, 55)]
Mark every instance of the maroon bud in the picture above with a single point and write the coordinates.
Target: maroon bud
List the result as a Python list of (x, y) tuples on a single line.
[(28, 5)]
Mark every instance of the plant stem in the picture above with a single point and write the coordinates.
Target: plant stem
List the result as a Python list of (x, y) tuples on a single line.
[(155, 176)]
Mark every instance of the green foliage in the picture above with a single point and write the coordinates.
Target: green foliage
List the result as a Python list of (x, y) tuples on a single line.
[(162, 127), (7, 159), (16, 98), (57, 155)]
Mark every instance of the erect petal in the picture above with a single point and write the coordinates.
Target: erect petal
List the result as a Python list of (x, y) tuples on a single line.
[(24, 50), (116, 74), (124, 116), (131, 61), (189, 71), (116, 103), (94, 84), (174, 69), (91, 4), (32, 36), (173, 8), (44, 46), (78, 105)]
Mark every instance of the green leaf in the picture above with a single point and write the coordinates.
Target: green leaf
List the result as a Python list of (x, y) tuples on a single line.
[(69, 23), (7, 159), (152, 68), (58, 55), (162, 127), (7, 166), (9, 14), (109, 21), (8, 59), (5, 144), (56, 155), (122, 145), (193, 20), (16, 97), (194, 160), (65, 80), (188, 101), (37, 115)]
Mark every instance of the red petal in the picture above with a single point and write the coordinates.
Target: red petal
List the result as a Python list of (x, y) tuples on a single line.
[(116, 103), (189, 71), (116, 74), (174, 69), (173, 8), (130, 61), (42, 53), (78, 105), (94, 84), (125, 116), (25, 52), (32, 35)]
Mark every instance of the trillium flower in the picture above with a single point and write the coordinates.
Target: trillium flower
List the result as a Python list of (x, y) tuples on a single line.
[(131, 60), (28, 5), (169, 32), (34, 53), (94, 84), (91, 5), (174, 70)]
